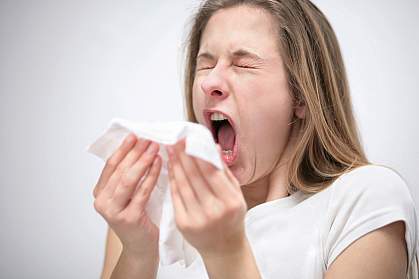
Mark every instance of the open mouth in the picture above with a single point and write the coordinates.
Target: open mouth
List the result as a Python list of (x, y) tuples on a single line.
[(224, 134)]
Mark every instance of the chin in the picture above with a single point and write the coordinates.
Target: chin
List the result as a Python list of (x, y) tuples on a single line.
[(240, 173)]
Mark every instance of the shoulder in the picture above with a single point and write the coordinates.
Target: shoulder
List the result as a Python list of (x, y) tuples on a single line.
[(372, 172), (366, 199), (376, 183), (366, 256)]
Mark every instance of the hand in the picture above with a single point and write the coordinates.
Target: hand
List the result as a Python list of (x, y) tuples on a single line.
[(208, 203), (120, 197)]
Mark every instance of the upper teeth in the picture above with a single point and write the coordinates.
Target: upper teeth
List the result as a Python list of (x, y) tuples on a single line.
[(217, 116)]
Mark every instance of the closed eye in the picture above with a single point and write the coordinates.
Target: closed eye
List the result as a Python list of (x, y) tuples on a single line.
[(204, 68), (245, 66)]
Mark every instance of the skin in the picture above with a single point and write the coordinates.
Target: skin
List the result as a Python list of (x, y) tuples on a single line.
[(122, 204), (254, 92), (210, 204)]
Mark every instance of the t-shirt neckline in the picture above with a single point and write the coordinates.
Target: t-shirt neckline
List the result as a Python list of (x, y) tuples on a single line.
[(261, 209)]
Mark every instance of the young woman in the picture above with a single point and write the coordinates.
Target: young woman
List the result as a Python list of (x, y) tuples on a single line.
[(298, 197)]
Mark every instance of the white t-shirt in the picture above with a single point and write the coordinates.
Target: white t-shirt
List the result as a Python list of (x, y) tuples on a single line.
[(299, 236)]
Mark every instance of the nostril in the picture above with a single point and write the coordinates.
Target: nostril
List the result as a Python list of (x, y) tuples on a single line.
[(217, 93)]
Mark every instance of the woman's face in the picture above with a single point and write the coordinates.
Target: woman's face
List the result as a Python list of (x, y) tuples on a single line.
[(240, 73)]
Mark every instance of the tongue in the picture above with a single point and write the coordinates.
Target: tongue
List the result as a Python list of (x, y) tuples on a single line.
[(226, 136)]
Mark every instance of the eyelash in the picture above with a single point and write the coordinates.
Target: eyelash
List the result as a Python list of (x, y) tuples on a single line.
[(245, 66), (239, 66)]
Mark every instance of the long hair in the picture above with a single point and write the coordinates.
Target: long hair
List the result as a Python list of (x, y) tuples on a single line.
[(329, 142)]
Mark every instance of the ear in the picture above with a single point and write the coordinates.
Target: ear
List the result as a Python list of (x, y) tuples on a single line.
[(300, 110)]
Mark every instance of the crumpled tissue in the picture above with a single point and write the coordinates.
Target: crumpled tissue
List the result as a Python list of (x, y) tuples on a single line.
[(199, 142)]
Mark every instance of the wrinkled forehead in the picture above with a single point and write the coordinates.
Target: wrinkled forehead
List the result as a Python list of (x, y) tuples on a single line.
[(240, 27)]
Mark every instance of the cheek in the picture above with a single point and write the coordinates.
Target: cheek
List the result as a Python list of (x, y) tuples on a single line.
[(267, 118), (275, 113), (197, 102), (195, 107), (268, 107), (270, 127)]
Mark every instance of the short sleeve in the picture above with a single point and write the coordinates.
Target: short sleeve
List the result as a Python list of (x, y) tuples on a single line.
[(366, 199)]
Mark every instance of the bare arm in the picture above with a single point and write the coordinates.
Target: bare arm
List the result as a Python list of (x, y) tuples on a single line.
[(113, 251), (381, 254), (118, 264), (240, 264)]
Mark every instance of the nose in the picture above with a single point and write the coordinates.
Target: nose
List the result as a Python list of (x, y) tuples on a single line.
[(214, 84)]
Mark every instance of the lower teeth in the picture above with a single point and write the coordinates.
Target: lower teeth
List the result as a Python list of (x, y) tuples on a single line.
[(228, 152)]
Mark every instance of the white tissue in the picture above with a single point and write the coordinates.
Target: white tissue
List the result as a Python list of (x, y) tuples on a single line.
[(199, 142)]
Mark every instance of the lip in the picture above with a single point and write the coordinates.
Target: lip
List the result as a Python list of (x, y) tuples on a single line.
[(207, 118)]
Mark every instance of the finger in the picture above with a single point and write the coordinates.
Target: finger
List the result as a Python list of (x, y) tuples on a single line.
[(217, 180), (194, 175), (113, 161), (130, 178), (178, 204), (142, 194), (127, 162), (233, 179), (183, 188)]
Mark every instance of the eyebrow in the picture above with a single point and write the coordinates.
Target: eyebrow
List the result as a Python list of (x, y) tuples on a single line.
[(237, 54)]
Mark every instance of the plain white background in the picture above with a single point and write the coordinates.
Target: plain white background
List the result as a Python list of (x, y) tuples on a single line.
[(68, 67)]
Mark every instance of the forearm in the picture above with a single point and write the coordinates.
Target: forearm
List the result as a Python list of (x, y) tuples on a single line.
[(239, 264), (132, 267)]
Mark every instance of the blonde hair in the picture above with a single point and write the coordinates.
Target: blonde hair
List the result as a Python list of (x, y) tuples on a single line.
[(328, 143)]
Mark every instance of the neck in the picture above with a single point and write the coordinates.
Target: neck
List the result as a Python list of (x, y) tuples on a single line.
[(274, 185), (270, 187)]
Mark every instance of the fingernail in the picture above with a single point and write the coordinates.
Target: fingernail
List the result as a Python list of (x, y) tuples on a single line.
[(130, 138), (152, 148)]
